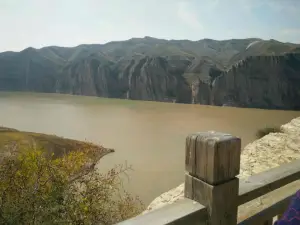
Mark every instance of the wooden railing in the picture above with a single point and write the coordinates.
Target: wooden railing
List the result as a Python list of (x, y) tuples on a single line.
[(213, 193)]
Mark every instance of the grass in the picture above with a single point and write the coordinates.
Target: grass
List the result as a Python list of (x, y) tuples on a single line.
[(50, 143), (267, 130)]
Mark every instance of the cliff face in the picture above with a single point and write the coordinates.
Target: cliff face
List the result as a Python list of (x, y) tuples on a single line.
[(27, 71), (261, 82), (201, 93), (145, 78), (155, 78), (87, 77), (270, 82), (203, 72)]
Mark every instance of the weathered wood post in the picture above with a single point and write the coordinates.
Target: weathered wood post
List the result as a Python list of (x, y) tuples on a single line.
[(212, 164)]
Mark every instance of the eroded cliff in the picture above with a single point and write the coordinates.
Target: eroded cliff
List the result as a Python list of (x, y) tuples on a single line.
[(143, 78), (271, 82), (203, 72)]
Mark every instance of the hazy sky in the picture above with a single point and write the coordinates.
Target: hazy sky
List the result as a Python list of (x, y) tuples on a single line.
[(39, 23)]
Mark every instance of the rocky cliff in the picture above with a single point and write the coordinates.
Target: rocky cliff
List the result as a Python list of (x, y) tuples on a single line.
[(145, 78), (243, 73), (271, 82)]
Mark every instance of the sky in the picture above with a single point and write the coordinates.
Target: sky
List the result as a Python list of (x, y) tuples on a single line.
[(39, 23)]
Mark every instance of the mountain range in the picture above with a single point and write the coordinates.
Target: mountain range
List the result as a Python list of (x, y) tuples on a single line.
[(238, 72)]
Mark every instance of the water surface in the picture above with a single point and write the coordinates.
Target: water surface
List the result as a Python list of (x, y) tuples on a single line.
[(150, 136)]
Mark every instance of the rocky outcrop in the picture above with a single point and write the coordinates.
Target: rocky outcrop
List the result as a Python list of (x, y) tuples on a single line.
[(270, 82), (268, 152), (144, 78), (201, 93), (91, 76), (27, 71), (156, 79)]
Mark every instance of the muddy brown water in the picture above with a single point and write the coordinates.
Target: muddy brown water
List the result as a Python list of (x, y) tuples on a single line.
[(150, 136)]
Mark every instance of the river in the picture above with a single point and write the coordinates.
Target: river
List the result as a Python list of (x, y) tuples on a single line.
[(150, 136)]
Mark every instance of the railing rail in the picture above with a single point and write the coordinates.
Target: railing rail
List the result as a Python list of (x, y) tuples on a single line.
[(213, 192), (268, 213), (182, 212), (270, 180)]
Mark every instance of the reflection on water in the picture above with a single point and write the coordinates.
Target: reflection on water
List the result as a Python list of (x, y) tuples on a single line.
[(150, 136)]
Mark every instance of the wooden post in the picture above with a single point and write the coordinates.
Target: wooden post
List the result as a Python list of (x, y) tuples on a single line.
[(212, 164)]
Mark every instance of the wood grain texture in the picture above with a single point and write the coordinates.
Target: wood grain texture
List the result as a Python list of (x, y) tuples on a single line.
[(220, 200), (188, 187), (257, 205), (270, 212), (182, 212), (213, 157), (190, 153), (265, 182)]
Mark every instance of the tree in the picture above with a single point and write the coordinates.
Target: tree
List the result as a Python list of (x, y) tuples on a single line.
[(36, 188)]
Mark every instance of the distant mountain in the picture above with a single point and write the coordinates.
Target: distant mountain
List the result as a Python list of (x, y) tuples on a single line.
[(261, 47), (204, 72)]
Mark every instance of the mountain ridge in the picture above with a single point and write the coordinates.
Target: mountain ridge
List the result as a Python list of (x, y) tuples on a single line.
[(160, 70)]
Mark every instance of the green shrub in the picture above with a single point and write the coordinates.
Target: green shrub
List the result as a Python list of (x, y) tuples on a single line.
[(38, 189), (267, 130)]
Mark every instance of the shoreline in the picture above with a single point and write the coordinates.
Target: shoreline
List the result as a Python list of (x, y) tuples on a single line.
[(10, 93), (50, 143)]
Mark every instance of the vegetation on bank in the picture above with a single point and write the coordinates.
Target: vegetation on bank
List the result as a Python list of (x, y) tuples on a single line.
[(267, 130), (50, 143), (45, 179)]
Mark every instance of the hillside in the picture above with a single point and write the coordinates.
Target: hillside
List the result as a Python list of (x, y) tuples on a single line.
[(146, 68)]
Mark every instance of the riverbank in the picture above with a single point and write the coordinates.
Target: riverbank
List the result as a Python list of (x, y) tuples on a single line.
[(11, 139), (268, 152)]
